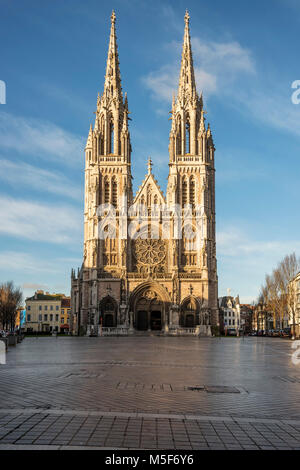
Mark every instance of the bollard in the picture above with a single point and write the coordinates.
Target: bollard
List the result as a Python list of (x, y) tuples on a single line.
[(5, 341), (12, 340)]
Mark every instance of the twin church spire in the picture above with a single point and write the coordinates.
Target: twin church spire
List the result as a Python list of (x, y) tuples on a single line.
[(187, 84), (112, 84), (188, 135), (111, 137)]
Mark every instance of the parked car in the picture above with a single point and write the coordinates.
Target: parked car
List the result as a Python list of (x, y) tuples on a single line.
[(261, 333), (231, 332), (285, 333), (276, 333)]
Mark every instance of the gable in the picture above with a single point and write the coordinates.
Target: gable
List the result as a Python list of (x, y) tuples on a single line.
[(149, 192)]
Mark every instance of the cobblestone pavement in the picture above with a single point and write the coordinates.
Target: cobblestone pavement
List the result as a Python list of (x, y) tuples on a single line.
[(150, 392)]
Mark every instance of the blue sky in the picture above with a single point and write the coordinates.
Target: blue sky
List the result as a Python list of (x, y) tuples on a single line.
[(53, 56)]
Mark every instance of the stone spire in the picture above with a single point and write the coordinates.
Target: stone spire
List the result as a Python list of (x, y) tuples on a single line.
[(187, 85), (112, 84)]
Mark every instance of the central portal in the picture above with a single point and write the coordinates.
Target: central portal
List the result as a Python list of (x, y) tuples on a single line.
[(149, 304)]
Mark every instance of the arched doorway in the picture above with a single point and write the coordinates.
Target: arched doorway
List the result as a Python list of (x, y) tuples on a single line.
[(189, 312), (149, 312), (150, 305), (108, 312)]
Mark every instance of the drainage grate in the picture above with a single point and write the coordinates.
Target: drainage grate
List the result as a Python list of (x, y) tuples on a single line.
[(196, 388), (221, 389), (288, 379)]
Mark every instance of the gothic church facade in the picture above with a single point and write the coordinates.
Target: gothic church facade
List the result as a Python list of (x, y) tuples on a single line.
[(149, 260)]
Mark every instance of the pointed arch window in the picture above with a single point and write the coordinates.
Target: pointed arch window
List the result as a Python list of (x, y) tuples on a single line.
[(178, 136), (192, 191), (187, 136), (184, 192), (114, 192), (111, 136), (106, 191), (101, 139)]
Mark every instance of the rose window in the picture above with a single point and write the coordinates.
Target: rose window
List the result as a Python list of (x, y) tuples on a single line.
[(148, 251)]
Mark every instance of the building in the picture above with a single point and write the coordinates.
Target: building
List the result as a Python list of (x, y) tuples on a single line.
[(246, 316), (43, 312), (229, 311), (149, 260), (294, 306), (65, 314)]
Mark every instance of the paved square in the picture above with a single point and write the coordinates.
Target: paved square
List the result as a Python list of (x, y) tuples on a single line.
[(150, 392)]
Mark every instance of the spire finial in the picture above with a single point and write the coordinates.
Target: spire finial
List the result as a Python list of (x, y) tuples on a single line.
[(187, 85), (149, 165), (113, 17), (186, 17), (113, 77)]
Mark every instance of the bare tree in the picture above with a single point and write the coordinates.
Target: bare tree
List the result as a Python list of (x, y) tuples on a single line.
[(279, 293), (10, 300), (289, 267)]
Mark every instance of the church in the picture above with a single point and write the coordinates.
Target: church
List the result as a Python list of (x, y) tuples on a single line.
[(149, 259)]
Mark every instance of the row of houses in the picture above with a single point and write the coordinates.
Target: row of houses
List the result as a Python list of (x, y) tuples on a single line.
[(47, 313), (234, 317)]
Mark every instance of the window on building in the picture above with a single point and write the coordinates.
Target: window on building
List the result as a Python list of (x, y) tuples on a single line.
[(114, 193), (192, 191), (112, 136), (57, 307), (28, 317), (106, 191), (28, 308), (62, 320), (178, 136), (51, 307), (51, 317), (46, 307), (45, 317), (40, 317), (184, 192), (233, 322), (40, 307), (187, 137), (69, 311), (56, 317), (229, 321)]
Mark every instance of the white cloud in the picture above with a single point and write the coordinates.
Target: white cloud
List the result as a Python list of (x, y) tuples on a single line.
[(234, 243), (273, 109), (251, 258), (31, 285), (216, 65), (18, 261), (40, 138), (24, 175), (40, 222)]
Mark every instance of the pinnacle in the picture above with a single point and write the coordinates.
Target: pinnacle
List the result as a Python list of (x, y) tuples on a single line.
[(187, 84)]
